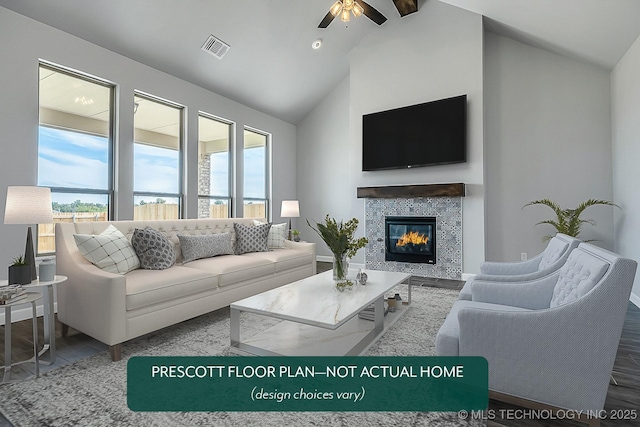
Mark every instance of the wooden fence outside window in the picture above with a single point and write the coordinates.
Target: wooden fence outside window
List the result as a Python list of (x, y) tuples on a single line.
[(147, 212)]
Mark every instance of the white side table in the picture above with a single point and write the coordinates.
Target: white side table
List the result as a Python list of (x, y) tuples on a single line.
[(31, 298), (49, 315)]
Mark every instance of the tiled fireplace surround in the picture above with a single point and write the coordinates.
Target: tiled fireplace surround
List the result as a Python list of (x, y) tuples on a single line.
[(443, 201)]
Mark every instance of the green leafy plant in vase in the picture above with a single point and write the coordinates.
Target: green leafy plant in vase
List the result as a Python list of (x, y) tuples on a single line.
[(296, 235), (568, 221), (20, 271), (339, 237)]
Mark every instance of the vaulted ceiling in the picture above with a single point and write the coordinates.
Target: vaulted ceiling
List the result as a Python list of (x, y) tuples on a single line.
[(271, 65)]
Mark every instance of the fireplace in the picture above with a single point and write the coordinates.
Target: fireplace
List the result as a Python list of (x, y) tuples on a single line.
[(410, 239)]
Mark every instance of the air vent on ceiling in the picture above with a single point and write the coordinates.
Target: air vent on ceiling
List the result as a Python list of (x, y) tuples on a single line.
[(215, 47)]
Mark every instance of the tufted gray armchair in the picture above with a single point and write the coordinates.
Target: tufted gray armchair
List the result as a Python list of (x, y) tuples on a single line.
[(552, 340), (548, 261)]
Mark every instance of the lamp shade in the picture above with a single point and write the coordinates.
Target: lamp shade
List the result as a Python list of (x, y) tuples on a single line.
[(290, 209), (28, 205)]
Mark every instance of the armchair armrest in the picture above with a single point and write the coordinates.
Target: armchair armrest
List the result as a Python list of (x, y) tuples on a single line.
[(510, 268), (533, 295), (514, 277)]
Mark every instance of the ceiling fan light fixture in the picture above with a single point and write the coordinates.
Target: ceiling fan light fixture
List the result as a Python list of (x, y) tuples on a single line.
[(345, 8), (357, 10), (345, 15), (336, 8)]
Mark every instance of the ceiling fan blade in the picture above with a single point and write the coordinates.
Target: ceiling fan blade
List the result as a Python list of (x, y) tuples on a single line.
[(372, 13), (326, 20)]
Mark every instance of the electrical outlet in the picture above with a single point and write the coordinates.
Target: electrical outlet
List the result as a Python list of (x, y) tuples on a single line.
[(523, 256)]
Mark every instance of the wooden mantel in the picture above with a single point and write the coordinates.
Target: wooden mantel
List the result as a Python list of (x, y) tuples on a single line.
[(412, 191)]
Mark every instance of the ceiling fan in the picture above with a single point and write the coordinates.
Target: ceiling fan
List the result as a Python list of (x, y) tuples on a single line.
[(345, 8)]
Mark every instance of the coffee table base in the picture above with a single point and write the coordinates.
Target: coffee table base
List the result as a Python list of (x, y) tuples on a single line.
[(288, 338)]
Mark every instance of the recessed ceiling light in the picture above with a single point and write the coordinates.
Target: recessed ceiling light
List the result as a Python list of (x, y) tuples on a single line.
[(316, 44)]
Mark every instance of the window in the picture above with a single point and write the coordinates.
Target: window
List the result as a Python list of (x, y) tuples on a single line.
[(256, 174), (157, 184), (214, 167), (74, 148)]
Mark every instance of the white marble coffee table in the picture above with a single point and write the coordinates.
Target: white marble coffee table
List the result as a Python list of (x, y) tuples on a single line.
[(319, 320)]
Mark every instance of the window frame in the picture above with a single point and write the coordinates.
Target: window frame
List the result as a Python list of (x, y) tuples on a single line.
[(267, 172), (231, 164), (111, 139), (181, 155)]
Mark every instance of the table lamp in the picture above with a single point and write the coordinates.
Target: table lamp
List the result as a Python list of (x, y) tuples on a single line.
[(28, 205), (290, 209)]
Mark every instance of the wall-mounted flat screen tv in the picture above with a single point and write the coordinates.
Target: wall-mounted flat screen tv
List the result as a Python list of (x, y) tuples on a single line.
[(433, 133)]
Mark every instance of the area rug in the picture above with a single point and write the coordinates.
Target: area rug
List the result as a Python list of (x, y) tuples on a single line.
[(92, 391)]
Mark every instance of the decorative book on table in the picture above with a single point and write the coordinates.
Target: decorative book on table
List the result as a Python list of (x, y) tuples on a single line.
[(10, 294), (369, 312)]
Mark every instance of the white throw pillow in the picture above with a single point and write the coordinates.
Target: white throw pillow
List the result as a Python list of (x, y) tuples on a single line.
[(110, 250), (277, 235)]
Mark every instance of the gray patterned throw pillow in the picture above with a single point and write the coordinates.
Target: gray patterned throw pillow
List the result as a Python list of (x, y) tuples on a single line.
[(251, 238), (204, 246), (153, 248)]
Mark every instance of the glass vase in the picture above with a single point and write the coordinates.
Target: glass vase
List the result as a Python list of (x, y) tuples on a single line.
[(340, 267)]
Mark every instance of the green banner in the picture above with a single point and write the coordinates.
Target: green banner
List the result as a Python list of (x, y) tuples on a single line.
[(307, 383)]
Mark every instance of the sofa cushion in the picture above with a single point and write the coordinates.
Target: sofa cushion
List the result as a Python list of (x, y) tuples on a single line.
[(277, 234), (284, 259), (148, 287), (448, 338), (204, 246), (251, 238), (153, 248), (110, 250), (577, 277), (232, 269)]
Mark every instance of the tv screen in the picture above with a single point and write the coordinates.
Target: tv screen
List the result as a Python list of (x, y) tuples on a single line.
[(433, 133)]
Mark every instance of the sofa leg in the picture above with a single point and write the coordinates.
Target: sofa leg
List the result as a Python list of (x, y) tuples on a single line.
[(65, 330), (116, 352)]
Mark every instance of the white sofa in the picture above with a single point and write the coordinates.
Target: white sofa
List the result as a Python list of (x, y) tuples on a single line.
[(114, 308)]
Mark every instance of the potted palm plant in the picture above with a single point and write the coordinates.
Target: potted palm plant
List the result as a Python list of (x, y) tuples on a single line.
[(568, 221), (19, 271), (339, 238)]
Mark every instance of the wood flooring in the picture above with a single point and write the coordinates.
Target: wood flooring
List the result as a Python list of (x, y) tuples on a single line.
[(623, 396)]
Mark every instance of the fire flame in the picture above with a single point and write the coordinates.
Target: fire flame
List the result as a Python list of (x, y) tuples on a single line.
[(412, 237)]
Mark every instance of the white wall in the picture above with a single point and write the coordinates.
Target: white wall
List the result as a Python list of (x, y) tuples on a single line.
[(25, 41), (625, 106), (408, 61), (323, 164), (547, 135)]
